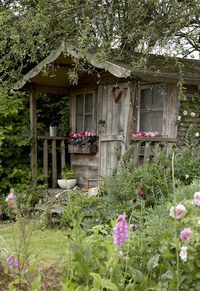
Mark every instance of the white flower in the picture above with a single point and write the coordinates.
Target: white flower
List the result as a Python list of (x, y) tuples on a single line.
[(192, 114), (179, 118), (185, 112), (197, 134), (183, 253), (187, 176)]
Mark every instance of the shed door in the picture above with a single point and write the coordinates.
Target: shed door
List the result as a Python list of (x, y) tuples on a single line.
[(114, 121)]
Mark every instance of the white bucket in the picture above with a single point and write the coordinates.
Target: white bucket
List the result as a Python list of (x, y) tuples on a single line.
[(53, 130)]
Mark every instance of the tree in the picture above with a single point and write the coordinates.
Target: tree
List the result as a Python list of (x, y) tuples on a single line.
[(31, 29)]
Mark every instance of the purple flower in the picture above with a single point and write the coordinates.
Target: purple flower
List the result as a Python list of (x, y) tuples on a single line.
[(12, 262), (120, 231), (185, 234), (10, 199), (197, 198)]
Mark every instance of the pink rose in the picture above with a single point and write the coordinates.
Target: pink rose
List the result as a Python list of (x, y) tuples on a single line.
[(185, 234), (197, 198), (177, 212)]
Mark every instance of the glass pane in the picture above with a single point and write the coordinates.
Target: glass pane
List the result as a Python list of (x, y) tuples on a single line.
[(88, 123), (158, 97), (79, 104), (157, 120), (145, 121), (146, 99), (88, 103), (79, 123)]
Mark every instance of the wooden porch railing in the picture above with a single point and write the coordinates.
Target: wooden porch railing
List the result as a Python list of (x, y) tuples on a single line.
[(58, 147), (144, 148)]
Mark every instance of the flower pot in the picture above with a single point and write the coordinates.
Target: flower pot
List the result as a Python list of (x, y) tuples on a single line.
[(67, 184)]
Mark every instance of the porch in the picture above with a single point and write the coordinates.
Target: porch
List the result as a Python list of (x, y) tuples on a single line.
[(144, 148), (55, 153)]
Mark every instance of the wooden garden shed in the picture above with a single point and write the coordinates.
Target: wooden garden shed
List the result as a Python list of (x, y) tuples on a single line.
[(111, 99)]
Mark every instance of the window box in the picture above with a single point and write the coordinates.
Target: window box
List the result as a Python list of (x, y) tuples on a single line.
[(82, 149)]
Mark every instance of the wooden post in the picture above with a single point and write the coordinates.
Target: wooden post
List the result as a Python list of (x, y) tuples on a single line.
[(54, 164), (33, 127), (45, 160), (62, 148)]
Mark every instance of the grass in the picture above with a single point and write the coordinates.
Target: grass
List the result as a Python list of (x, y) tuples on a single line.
[(42, 244)]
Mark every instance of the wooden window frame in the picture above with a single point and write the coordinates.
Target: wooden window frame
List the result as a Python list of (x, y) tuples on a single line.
[(74, 109), (163, 109)]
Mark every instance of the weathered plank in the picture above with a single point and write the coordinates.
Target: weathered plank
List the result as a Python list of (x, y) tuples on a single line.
[(33, 128), (63, 156), (45, 160), (54, 164)]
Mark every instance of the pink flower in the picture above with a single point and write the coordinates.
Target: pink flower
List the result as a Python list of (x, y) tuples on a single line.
[(185, 234), (120, 231), (197, 198), (177, 212), (12, 262), (183, 253), (10, 199)]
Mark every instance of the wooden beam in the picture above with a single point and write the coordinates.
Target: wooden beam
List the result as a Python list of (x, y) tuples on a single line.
[(33, 128), (45, 160), (53, 89)]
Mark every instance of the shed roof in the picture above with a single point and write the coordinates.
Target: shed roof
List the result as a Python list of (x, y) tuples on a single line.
[(62, 58)]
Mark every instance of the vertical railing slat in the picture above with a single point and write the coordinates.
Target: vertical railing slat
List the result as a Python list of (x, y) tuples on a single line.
[(54, 164), (62, 150), (147, 152), (45, 160)]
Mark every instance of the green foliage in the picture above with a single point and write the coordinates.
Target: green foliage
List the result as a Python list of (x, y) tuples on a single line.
[(132, 26), (154, 179), (14, 139), (68, 174)]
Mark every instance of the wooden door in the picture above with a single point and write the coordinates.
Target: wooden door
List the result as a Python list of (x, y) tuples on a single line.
[(114, 126)]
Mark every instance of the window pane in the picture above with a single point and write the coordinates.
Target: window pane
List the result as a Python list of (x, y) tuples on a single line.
[(88, 103), (145, 121), (79, 104), (79, 112), (88, 123), (158, 97), (157, 120), (146, 99)]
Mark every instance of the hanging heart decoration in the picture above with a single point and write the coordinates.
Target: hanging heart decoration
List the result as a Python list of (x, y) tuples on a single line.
[(117, 93)]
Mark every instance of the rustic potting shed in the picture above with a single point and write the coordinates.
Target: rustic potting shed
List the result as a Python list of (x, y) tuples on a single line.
[(111, 99)]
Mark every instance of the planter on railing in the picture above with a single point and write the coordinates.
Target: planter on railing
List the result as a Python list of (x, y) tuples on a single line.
[(82, 149)]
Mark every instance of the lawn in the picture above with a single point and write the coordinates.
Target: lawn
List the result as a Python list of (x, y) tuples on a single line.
[(42, 244)]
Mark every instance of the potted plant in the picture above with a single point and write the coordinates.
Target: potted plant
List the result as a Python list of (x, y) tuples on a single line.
[(68, 180)]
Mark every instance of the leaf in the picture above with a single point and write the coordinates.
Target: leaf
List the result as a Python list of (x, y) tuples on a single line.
[(168, 275), (143, 286), (109, 285), (153, 262), (36, 284), (96, 280)]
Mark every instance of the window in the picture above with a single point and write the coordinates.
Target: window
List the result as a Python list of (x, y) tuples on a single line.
[(84, 112), (152, 100)]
